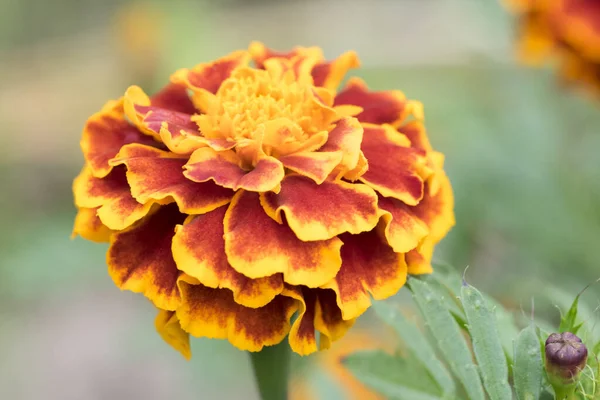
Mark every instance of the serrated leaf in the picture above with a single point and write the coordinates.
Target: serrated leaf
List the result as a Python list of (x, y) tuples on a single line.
[(585, 314), (451, 300), (448, 275), (447, 281), (528, 366), (391, 376), (417, 344), (449, 338), (486, 343), (507, 328), (568, 321), (451, 279)]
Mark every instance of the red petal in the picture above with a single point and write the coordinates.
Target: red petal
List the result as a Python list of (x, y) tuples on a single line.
[(317, 311), (369, 267), (222, 168), (111, 195), (213, 313), (139, 258), (257, 246), (394, 168), (158, 175), (199, 251), (320, 212), (387, 107), (105, 133), (209, 76)]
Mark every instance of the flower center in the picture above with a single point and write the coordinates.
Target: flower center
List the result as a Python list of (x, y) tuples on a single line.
[(270, 111)]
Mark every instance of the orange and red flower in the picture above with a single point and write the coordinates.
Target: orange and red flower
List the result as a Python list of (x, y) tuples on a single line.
[(568, 30), (239, 196)]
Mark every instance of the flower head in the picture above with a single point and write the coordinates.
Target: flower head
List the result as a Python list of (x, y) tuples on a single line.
[(239, 196), (568, 30), (566, 356)]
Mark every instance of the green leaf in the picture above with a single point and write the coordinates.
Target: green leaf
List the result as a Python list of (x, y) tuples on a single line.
[(507, 328), (568, 321), (584, 313), (528, 367), (486, 343), (418, 345), (447, 281), (449, 277), (451, 300), (449, 338), (391, 376)]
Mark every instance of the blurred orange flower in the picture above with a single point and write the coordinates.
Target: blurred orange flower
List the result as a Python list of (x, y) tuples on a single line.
[(238, 196), (331, 363), (568, 30)]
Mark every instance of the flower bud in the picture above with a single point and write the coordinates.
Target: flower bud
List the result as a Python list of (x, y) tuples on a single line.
[(566, 356)]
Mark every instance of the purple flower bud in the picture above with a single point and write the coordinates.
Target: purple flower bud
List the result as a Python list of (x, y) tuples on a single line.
[(566, 356)]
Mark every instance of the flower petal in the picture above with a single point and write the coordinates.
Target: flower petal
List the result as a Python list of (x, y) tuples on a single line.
[(111, 195), (257, 246), (329, 320), (320, 212), (174, 97), (369, 266), (330, 74), (88, 226), (261, 53), (213, 313), (346, 137), (121, 212), (315, 165), (105, 133), (149, 118), (167, 116), (415, 132), (437, 211), (157, 175), (209, 76), (536, 41), (139, 258), (418, 260), (386, 107), (205, 79), (222, 167), (327, 74), (199, 251), (403, 229), (394, 168), (168, 327), (317, 311), (303, 338)]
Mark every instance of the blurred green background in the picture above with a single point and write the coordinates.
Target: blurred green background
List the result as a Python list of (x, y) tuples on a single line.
[(521, 151)]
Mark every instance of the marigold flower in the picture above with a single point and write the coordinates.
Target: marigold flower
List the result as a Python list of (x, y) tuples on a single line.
[(240, 195), (568, 30)]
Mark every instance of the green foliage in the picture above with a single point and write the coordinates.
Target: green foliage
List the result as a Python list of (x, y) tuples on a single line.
[(567, 322), (449, 337), (462, 324), (418, 346), (528, 367), (487, 345), (380, 370)]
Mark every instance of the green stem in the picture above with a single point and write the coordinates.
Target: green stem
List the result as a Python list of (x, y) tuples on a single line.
[(271, 369)]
